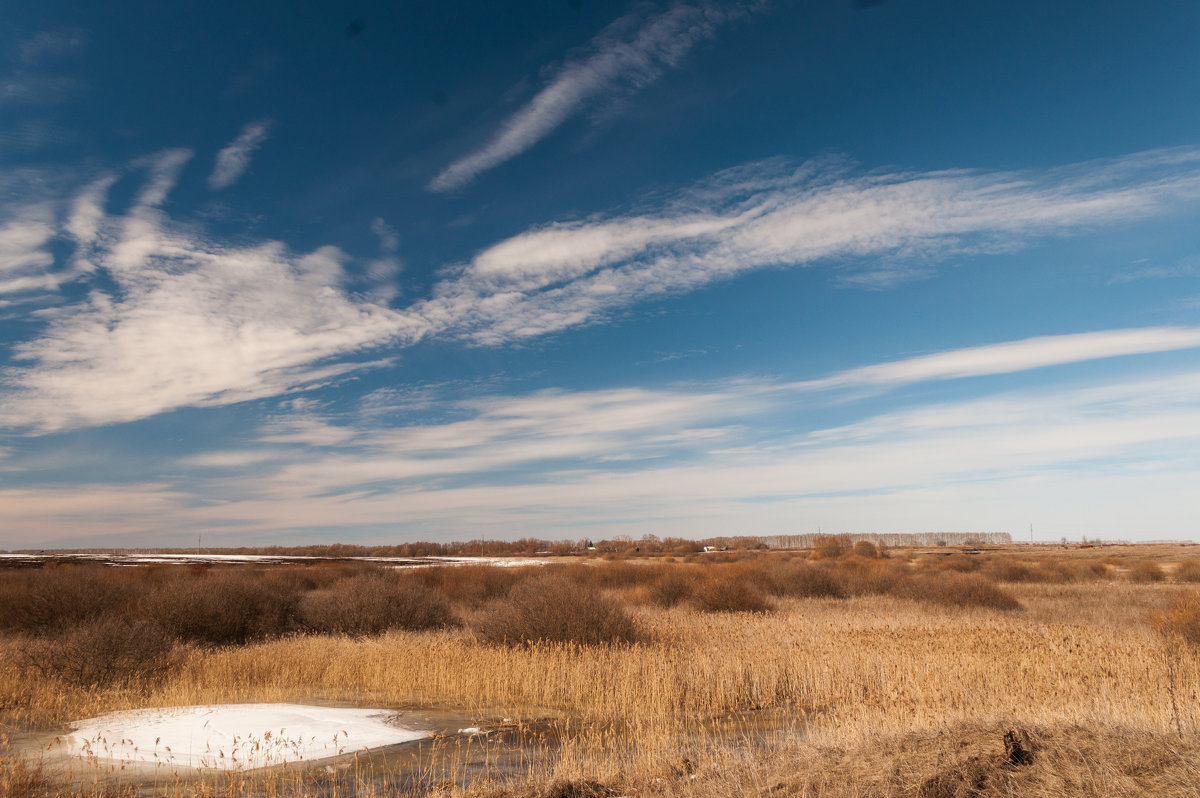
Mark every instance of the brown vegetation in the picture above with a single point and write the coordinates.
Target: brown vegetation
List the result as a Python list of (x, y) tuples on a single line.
[(896, 674), (552, 608), (372, 603)]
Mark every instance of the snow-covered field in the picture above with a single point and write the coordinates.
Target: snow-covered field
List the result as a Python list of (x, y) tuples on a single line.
[(233, 736)]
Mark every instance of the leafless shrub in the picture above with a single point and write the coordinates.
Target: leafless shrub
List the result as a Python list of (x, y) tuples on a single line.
[(720, 593), (956, 590), (861, 577), (1188, 571), (221, 607), (51, 600), (865, 548), (805, 580), (961, 563), (471, 585), (109, 651), (555, 608), (618, 574), (1006, 569), (1181, 620), (1144, 571), (830, 547), (373, 603), (672, 588)]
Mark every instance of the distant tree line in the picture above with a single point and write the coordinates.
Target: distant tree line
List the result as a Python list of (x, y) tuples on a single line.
[(619, 545), (890, 539)]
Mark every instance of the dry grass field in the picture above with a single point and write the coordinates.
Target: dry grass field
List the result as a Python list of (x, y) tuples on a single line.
[(826, 672)]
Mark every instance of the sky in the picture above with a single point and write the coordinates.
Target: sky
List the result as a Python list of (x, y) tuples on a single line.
[(377, 272)]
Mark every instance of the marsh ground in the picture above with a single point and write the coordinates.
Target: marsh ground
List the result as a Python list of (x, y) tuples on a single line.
[(819, 672)]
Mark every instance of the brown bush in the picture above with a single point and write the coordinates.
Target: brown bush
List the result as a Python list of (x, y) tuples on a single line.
[(829, 547), (861, 577), (373, 603), (804, 580), (1090, 571), (618, 573), (472, 585), (223, 606), (1004, 569), (726, 593), (672, 588), (1055, 571), (1144, 571), (956, 590), (109, 651), (53, 599), (865, 548), (961, 563), (1181, 620), (1188, 571), (555, 608)]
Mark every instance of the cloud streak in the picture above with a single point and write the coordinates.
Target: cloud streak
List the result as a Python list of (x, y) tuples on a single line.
[(568, 274), (625, 57), (234, 159), (733, 421), (702, 456), (1012, 356), (176, 319), (191, 322)]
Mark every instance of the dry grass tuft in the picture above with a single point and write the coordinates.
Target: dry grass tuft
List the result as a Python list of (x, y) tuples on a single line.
[(1181, 620), (1143, 571), (580, 788), (1188, 571), (971, 760)]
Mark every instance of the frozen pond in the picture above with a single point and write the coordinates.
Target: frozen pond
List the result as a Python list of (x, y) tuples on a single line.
[(234, 736)]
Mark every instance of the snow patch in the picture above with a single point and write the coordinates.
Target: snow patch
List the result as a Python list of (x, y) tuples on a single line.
[(234, 736)]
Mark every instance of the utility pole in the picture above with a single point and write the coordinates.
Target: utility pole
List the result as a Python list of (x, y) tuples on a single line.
[(1031, 533), (197, 544)]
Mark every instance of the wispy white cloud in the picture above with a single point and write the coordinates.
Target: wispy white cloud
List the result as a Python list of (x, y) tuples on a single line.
[(197, 322), (626, 56), (29, 82), (501, 432), (25, 257), (389, 239), (523, 465), (234, 159), (163, 169), (1187, 267), (383, 272), (228, 459), (50, 44), (192, 322), (768, 216), (701, 459), (1012, 356)]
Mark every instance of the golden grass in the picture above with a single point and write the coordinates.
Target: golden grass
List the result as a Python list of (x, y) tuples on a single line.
[(854, 686)]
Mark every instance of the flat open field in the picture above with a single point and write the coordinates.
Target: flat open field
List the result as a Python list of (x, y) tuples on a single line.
[(825, 672)]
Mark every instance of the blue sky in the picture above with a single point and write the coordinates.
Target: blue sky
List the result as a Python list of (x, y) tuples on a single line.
[(391, 271)]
